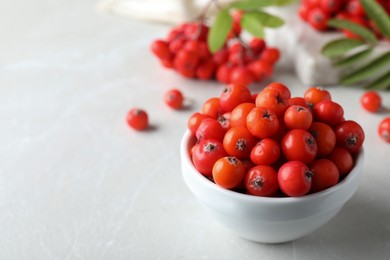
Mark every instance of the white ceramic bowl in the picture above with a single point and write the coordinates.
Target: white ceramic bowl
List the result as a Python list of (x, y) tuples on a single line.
[(268, 220)]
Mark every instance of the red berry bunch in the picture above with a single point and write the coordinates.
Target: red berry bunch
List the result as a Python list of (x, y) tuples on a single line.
[(185, 50), (318, 12), (271, 144)]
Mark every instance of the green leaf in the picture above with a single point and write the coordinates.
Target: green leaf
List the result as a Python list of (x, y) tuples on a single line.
[(353, 58), (219, 30), (340, 46), (252, 24), (376, 12), (382, 82), (283, 2), (355, 28), (252, 4), (367, 70), (266, 19)]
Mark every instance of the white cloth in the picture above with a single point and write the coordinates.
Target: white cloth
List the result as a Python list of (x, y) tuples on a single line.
[(164, 11)]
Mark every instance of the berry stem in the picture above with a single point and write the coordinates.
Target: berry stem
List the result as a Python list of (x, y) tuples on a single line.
[(243, 44), (203, 12)]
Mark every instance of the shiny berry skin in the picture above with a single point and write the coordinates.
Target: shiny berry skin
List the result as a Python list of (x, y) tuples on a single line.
[(299, 101), (315, 95), (281, 88), (384, 129), (235, 47), (270, 55), (311, 3), (299, 145), (260, 69), (204, 52), (257, 45), (262, 180), (186, 60), (194, 122), (161, 49), (238, 142), (177, 44), (297, 117), (371, 101), (294, 178), (325, 174), (342, 159), (324, 136), (241, 76), (331, 6), (224, 121), (221, 57), (239, 114), (303, 12), (262, 122), (355, 8), (282, 130), (192, 45), (205, 154), (318, 19), (228, 172), (196, 31), (210, 128), (349, 135), (211, 108), (265, 152), (184, 71), (233, 95), (167, 63), (205, 70), (174, 99), (328, 112), (223, 73), (137, 119), (343, 15), (273, 100)]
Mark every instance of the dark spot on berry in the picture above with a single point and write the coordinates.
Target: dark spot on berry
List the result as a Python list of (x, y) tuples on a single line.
[(210, 147), (223, 121), (352, 140), (232, 160), (310, 141), (279, 99), (137, 112), (241, 144), (309, 175), (314, 133), (266, 114), (258, 183)]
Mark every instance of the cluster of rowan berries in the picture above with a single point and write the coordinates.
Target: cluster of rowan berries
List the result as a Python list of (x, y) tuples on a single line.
[(268, 142), (186, 50), (318, 12)]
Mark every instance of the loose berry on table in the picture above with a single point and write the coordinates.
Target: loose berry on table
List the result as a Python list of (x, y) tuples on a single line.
[(137, 119)]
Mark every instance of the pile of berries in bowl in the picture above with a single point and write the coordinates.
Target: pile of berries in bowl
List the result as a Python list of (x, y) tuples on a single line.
[(317, 13), (271, 167), (186, 51)]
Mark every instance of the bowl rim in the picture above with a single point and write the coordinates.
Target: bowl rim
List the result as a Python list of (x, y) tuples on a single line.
[(185, 157)]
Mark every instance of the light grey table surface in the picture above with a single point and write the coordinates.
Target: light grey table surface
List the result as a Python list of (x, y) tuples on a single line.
[(77, 183)]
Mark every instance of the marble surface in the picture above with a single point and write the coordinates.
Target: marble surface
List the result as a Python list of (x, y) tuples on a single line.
[(77, 183)]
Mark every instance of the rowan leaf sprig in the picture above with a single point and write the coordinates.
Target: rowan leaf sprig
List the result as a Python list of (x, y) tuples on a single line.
[(254, 20), (374, 71)]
